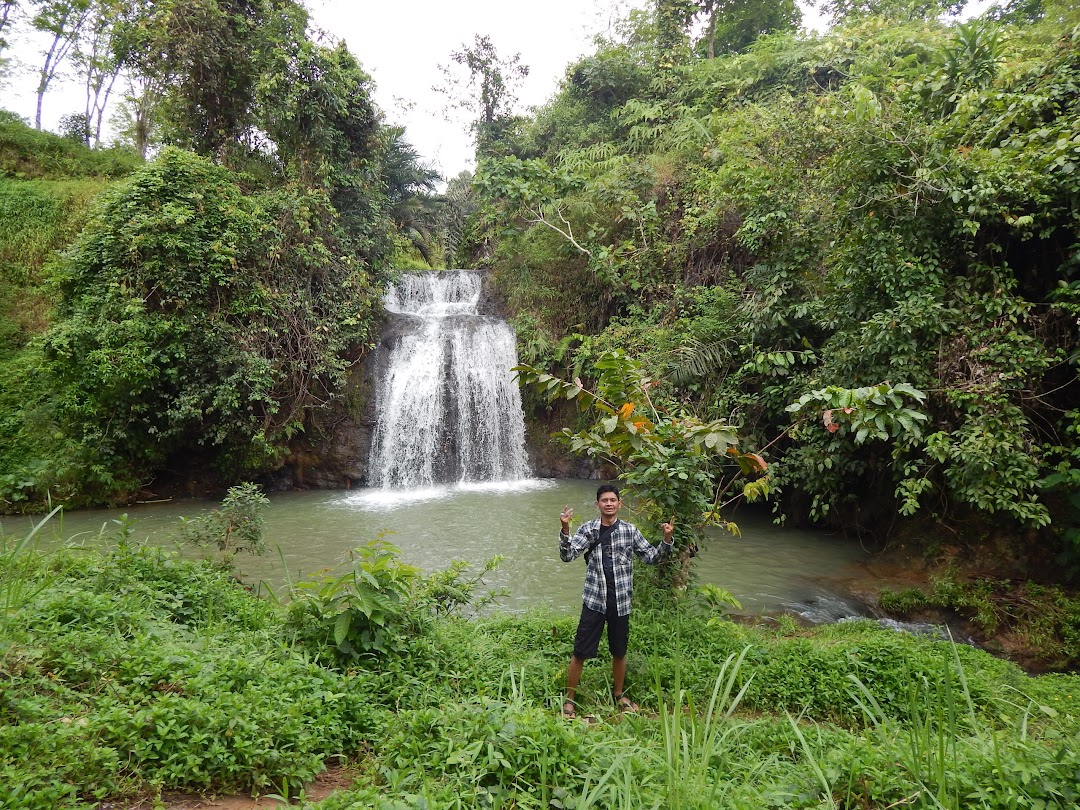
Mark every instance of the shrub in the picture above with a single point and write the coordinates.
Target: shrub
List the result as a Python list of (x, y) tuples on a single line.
[(200, 324)]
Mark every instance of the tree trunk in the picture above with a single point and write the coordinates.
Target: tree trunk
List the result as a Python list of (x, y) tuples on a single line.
[(48, 70)]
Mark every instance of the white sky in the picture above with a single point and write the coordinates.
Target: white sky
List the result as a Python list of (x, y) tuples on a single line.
[(402, 47)]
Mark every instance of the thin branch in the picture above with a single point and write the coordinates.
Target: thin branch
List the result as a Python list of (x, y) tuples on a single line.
[(568, 234)]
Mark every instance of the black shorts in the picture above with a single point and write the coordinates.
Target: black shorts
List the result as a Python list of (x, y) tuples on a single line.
[(589, 628)]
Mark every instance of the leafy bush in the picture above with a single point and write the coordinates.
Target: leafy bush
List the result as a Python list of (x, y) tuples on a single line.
[(673, 461), (486, 750), (363, 611), (195, 315), (236, 526)]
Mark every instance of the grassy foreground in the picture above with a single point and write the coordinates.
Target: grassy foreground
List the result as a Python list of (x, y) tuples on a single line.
[(126, 671)]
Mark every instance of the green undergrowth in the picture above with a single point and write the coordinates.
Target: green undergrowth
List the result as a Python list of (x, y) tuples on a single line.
[(48, 186), (38, 219), (1047, 617), (126, 671), (27, 153)]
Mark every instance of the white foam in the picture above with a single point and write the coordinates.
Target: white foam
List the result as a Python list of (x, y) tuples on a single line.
[(388, 499), (506, 487)]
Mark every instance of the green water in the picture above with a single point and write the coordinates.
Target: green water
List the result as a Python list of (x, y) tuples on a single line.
[(768, 568)]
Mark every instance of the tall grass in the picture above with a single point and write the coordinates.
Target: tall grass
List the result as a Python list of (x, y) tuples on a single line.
[(947, 755), (695, 742), (941, 715), (22, 577), (29, 153), (617, 787), (38, 220)]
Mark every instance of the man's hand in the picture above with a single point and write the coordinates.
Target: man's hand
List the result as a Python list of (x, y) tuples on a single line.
[(668, 529), (564, 516)]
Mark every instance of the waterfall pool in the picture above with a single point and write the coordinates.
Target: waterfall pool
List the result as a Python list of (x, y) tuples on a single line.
[(768, 568)]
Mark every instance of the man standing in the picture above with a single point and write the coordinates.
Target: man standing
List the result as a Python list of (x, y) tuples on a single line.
[(608, 545)]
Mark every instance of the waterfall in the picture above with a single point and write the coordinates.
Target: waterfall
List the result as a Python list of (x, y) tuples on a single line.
[(448, 409)]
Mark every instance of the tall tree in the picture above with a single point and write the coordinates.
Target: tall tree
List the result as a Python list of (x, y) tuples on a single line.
[(732, 25), (840, 10), (673, 17), (488, 90), (100, 55), (459, 205), (409, 183), (315, 105), (6, 9), (136, 117), (209, 56), (63, 20)]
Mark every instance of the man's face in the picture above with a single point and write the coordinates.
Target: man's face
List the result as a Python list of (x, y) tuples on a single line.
[(609, 504)]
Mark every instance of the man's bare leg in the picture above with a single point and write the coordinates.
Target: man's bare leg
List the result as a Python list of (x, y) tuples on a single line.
[(573, 676), (618, 677), (618, 674)]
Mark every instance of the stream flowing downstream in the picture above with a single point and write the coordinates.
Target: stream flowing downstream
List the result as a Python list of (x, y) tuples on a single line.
[(768, 569)]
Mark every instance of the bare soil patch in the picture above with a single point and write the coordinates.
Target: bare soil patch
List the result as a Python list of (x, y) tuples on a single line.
[(326, 783)]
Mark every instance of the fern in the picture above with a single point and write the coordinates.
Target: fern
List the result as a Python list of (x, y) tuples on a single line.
[(694, 359)]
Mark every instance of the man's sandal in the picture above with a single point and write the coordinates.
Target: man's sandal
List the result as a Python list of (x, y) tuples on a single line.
[(569, 710), (625, 704)]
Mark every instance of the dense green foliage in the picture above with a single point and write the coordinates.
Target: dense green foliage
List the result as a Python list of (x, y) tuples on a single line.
[(127, 670), (893, 203), (853, 257), (160, 673), (1046, 617), (47, 189), (195, 316)]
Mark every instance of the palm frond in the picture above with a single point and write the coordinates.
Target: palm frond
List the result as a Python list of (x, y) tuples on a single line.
[(693, 360)]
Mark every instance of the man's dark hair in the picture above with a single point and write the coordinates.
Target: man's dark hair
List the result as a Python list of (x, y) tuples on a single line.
[(607, 488)]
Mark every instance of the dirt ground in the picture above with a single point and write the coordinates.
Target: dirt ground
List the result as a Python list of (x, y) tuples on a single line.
[(321, 787)]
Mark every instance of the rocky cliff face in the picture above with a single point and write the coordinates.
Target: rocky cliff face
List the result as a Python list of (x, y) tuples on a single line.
[(332, 453)]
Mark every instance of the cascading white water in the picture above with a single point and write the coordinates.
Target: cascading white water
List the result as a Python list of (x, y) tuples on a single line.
[(448, 409)]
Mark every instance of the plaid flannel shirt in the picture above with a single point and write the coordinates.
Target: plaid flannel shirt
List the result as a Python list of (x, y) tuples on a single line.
[(626, 540)]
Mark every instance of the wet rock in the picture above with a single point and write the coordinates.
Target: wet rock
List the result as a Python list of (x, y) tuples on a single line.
[(332, 453)]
